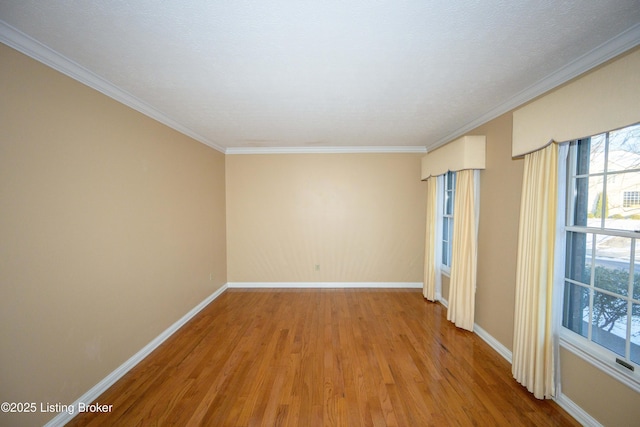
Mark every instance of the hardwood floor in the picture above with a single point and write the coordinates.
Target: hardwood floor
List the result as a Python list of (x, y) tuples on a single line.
[(331, 357)]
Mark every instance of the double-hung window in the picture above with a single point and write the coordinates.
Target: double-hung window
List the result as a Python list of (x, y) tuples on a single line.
[(601, 304), (449, 191)]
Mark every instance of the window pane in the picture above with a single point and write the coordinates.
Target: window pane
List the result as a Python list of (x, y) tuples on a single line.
[(610, 322), (448, 202), (623, 201), (588, 157), (445, 229), (636, 272), (445, 252), (596, 153), (635, 334), (588, 201), (624, 149), (576, 309), (447, 220), (578, 257), (612, 263)]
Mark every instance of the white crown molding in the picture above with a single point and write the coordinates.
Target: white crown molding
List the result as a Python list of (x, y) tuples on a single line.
[(16, 39), (27, 45), (623, 42), (324, 150), (324, 285), (38, 51), (90, 396)]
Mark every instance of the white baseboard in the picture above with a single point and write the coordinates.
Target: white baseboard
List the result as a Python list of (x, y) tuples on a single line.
[(64, 417), (562, 400), (486, 337), (494, 343), (576, 412), (325, 285)]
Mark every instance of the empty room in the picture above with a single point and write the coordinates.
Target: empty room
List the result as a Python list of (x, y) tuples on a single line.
[(387, 213)]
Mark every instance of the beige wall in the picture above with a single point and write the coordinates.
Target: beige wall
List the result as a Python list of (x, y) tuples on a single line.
[(500, 189), (111, 225), (604, 398), (360, 217)]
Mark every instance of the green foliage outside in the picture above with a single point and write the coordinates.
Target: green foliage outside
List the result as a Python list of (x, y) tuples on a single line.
[(597, 211)]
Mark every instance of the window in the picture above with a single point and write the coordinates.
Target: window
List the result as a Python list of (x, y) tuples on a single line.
[(602, 262), (448, 193), (631, 199)]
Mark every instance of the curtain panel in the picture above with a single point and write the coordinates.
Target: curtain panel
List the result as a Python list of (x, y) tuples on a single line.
[(533, 341), (430, 258), (464, 257)]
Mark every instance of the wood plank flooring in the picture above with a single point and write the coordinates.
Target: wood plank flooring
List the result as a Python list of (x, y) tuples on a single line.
[(330, 357)]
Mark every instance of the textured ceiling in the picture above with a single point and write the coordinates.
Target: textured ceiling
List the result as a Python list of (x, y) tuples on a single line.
[(242, 74)]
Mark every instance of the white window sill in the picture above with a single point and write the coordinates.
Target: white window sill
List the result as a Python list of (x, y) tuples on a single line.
[(600, 358)]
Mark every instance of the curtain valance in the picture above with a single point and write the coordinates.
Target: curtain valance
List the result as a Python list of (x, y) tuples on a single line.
[(605, 99), (464, 153)]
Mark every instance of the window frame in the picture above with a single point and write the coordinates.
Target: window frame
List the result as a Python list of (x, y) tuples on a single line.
[(446, 238), (585, 347)]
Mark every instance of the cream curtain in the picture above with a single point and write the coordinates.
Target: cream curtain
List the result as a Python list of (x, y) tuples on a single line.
[(462, 287), (533, 355), (433, 240), (430, 260)]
